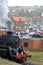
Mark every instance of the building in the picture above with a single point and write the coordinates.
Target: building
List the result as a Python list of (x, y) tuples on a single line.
[(38, 20), (32, 44), (20, 23), (3, 31)]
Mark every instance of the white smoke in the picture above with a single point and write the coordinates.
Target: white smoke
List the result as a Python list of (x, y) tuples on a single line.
[(4, 14), (3, 8)]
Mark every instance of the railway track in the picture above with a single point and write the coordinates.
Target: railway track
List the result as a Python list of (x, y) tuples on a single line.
[(7, 62), (28, 64), (36, 59), (32, 61)]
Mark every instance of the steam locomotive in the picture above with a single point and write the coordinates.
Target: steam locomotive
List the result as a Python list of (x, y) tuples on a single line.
[(11, 48)]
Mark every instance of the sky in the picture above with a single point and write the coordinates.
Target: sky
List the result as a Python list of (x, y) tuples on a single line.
[(25, 2)]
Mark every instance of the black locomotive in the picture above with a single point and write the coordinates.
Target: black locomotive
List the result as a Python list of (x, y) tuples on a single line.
[(11, 48)]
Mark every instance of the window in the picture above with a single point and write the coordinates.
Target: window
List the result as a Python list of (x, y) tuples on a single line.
[(25, 27), (25, 44), (16, 27), (17, 23), (25, 22), (19, 27)]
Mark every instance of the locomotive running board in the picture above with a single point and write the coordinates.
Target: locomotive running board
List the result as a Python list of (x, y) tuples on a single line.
[(3, 49)]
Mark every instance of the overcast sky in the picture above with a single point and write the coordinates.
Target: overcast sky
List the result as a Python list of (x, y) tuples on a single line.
[(25, 2)]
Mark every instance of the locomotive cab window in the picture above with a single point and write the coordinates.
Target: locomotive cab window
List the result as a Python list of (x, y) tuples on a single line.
[(25, 44)]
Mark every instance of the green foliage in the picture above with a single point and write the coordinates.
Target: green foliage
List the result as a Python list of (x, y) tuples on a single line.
[(36, 54)]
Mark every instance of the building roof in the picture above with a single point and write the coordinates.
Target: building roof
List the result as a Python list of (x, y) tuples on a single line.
[(33, 10), (38, 16), (15, 18)]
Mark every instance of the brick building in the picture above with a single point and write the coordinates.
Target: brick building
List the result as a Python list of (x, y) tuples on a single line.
[(20, 23), (32, 44), (3, 31)]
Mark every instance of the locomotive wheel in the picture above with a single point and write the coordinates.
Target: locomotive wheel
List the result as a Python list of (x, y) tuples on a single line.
[(25, 59), (22, 60)]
